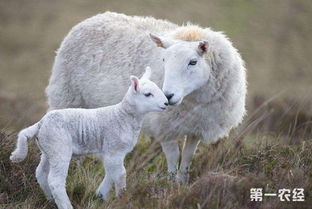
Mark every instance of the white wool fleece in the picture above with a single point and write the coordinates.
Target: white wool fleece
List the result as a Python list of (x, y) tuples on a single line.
[(200, 71)]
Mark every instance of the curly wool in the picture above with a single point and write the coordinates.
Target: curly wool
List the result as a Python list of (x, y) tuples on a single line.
[(94, 62)]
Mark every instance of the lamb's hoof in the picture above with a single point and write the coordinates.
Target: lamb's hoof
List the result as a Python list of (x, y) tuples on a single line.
[(183, 178), (49, 197), (172, 176), (121, 192), (15, 159), (101, 196)]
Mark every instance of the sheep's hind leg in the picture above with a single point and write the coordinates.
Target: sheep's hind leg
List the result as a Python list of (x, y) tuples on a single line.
[(57, 182), (42, 173), (189, 149), (172, 153)]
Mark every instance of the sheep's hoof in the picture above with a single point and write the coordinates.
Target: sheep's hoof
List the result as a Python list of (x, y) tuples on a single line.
[(172, 176), (183, 177)]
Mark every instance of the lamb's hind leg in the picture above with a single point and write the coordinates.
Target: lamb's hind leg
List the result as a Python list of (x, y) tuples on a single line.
[(57, 182), (189, 148), (42, 173), (172, 153)]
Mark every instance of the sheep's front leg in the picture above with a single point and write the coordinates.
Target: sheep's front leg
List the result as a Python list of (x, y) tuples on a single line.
[(189, 149), (172, 153), (115, 169)]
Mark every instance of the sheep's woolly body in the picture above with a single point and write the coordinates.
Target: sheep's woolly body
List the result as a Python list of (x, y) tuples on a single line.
[(95, 60)]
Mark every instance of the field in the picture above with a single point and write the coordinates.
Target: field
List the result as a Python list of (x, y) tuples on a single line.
[(270, 150)]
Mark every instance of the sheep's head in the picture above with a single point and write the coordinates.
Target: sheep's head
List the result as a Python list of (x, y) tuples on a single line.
[(185, 67), (147, 96)]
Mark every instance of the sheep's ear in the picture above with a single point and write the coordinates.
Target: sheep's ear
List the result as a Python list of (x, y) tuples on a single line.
[(134, 83), (161, 42), (148, 73), (202, 47)]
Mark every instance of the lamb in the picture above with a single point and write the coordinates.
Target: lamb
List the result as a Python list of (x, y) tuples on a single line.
[(110, 132), (200, 71)]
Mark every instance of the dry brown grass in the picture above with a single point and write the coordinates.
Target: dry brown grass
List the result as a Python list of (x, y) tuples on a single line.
[(221, 177)]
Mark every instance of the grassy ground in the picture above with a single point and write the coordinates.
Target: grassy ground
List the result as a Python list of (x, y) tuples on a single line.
[(271, 150), (221, 176)]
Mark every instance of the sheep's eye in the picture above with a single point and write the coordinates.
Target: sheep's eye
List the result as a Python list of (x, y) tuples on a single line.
[(148, 94), (193, 62), (163, 59)]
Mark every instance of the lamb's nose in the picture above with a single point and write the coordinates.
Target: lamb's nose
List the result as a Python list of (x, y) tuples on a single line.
[(169, 96), (166, 103)]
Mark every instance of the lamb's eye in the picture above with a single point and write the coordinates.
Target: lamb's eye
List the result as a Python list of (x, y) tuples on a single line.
[(193, 62), (148, 94), (163, 59)]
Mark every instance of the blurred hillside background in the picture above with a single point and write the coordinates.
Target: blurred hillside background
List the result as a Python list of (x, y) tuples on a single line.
[(273, 37)]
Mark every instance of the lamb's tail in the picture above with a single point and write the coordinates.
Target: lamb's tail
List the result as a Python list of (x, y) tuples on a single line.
[(21, 150)]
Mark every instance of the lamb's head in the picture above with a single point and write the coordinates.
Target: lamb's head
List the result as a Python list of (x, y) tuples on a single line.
[(146, 95), (185, 67)]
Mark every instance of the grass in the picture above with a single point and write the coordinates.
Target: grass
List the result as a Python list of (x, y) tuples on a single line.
[(221, 176)]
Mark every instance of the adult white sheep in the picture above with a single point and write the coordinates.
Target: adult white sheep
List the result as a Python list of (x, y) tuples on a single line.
[(204, 75), (110, 132)]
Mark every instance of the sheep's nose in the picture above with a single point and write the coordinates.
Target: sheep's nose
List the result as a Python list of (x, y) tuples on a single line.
[(169, 96), (166, 103)]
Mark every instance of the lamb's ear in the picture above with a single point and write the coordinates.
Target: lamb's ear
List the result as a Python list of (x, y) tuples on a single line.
[(148, 73), (161, 42), (134, 83), (202, 47)]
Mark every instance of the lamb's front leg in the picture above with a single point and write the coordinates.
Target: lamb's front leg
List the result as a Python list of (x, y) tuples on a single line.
[(188, 150), (106, 185), (115, 169)]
